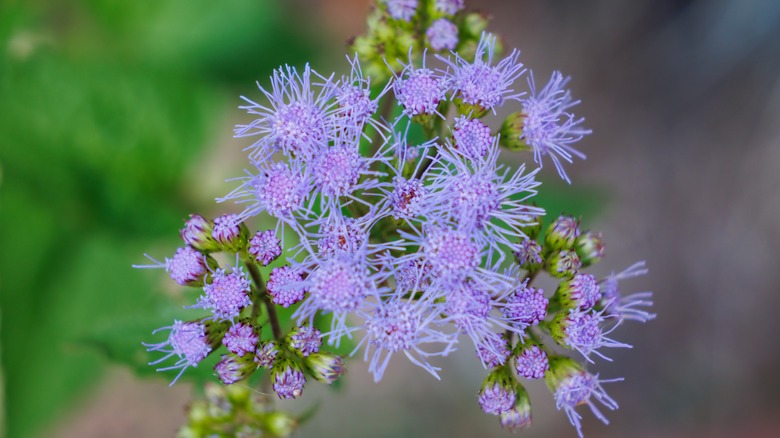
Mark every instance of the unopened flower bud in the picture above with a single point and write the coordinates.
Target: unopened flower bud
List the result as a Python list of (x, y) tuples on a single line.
[(519, 417), (197, 234), (233, 368), (563, 264), (474, 24), (189, 267), (288, 379), (265, 247), (279, 424), (498, 392), (512, 131), (266, 353), (231, 234), (590, 248), (325, 367), (561, 234), (304, 340), (531, 360), (529, 255), (241, 338)]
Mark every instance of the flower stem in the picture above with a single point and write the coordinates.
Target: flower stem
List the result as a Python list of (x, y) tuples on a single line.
[(263, 296)]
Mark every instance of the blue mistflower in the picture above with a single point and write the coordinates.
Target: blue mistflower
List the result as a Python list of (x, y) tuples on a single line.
[(472, 137), (227, 294), (241, 338), (579, 387), (298, 119), (419, 90), (532, 362), (442, 35), (187, 341), (401, 9), (480, 84), (582, 331), (450, 7), (548, 127)]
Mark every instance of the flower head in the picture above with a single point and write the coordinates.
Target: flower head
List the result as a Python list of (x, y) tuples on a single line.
[(532, 362), (527, 305), (442, 35), (498, 393), (241, 338), (401, 9), (189, 341), (549, 128), (305, 340), (479, 85), (472, 137), (285, 286), (628, 307), (265, 247), (197, 233), (227, 294), (419, 90), (582, 331), (266, 353), (288, 380)]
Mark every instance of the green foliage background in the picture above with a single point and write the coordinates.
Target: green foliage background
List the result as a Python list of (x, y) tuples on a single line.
[(104, 105)]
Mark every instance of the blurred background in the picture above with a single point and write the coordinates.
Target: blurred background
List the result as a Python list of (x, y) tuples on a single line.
[(115, 123)]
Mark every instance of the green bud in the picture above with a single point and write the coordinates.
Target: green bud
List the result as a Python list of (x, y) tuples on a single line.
[(561, 234), (365, 47), (197, 234), (474, 24), (325, 367), (561, 368), (529, 255), (466, 109), (519, 417), (280, 424), (563, 264), (590, 248), (511, 131), (231, 235)]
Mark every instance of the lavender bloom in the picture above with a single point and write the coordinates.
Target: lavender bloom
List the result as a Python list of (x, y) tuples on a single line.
[(450, 7), (549, 127), (452, 254), (298, 119), (442, 35), (532, 362), (341, 234), (337, 170), (573, 386), (626, 307), (401, 9), (188, 267), (484, 199), (354, 99), (284, 286), (188, 341), (407, 197), (265, 247), (288, 380), (519, 417), (277, 189), (582, 332), (305, 340), (413, 275), (227, 294), (494, 355), (479, 84), (472, 138), (240, 339), (419, 90), (498, 392), (526, 306), (403, 326)]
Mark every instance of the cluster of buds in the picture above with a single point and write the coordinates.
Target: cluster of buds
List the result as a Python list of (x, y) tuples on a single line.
[(236, 411), (405, 245)]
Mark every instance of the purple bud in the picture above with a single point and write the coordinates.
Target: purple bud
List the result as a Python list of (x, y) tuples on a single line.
[(498, 392), (325, 367), (563, 264), (582, 292), (288, 380), (472, 137), (241, 338), (284, 286), (442, 35), (519, 417), (266, 353), (230, 369), (197, 233), (527, 306), (265, 247), (227, 294), (305, 340), (419, 91), (188, 267), (532, 362), (561, 234), (493, 354), (529, 255)]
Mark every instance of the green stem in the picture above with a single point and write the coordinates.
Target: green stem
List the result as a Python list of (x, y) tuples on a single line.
[(262, 295)]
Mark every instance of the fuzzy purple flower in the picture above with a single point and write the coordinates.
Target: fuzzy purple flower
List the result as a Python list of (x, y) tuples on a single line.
[(527, 306), (241, 338), (227, 294), (187, 341), (472, 137), (629, 307), (284, 286), (451, 253), (480, 85), (582, 290), (407, 197), (401, 9), (188, 267), (549, 128), (288, 380), (442, 35), (419, 90), (496, 399), (532, 362), (582, 331), (265, 247), (494, 355), (265, 354), (450, 7)]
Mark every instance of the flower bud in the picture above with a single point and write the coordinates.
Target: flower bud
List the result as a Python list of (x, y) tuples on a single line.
[(325, 367), (563, 264), (233, 368), (304, 340), (189, 267), (266, 353), (474, 24), (197, 234), (265, 247), (519, 417), (531, 360), (288, 379), (279, 424), (590, 248), (529, 255), (561, 234), (498, 392), (511, 132), (581, 291), (230, 234)]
